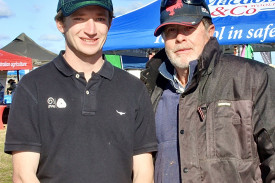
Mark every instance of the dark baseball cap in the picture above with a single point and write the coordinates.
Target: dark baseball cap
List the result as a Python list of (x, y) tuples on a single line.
[(181, 12), (70, 6)]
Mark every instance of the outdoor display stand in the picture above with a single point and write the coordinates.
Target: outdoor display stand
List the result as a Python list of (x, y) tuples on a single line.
[(9, 62)]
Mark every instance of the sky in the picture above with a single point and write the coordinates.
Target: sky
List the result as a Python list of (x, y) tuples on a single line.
[(35, 18)]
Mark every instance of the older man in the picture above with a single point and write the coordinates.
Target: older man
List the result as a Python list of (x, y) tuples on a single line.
[(214, 112)]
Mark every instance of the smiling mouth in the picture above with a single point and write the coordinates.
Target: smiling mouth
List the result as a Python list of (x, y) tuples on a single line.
[(89, 40)]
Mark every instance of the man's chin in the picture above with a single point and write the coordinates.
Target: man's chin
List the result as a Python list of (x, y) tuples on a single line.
[(180, 63)]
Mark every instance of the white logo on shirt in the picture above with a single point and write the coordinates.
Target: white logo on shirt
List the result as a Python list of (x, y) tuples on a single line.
[(59, 104), (120, 113), (51, 102)]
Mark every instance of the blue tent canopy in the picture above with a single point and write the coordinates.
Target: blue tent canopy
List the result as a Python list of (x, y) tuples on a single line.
[(131, 62), (236, 22)]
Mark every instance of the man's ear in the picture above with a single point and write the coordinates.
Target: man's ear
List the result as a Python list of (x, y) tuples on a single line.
[(211, 30), (60, 26), (110, 24)]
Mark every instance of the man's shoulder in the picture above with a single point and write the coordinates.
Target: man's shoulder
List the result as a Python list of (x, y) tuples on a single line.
[(237, 61), (127, 82), (40, 73), (125, 76), (248, 68)]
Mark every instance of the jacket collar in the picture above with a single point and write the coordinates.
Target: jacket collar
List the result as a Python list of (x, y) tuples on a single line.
[(210, 52)]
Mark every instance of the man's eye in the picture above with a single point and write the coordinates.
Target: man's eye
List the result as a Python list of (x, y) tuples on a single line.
[(101, 19), (189, 28), (171, 29), (78, 18)]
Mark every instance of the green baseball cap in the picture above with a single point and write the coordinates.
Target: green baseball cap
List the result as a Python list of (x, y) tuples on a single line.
[(70, 6)]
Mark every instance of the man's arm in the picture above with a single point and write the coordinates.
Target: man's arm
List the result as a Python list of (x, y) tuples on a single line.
[(25, 166), (143, 169), (263, 115)]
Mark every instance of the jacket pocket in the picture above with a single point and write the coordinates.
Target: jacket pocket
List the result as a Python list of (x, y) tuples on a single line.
[(231, 129)]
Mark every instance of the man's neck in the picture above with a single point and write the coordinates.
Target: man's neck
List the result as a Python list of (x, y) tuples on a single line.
[(182, 75), (84, 63)]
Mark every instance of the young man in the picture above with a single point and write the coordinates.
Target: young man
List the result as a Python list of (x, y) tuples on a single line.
[(214, 112), (78, 118)]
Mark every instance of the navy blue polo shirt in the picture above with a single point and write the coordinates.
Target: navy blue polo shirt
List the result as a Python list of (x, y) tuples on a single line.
[(84, 131)]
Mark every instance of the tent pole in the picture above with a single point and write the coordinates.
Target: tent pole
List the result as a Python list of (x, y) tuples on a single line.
[(17, 73)]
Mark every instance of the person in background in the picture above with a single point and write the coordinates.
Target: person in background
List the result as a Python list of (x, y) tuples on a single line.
[(151, 53), (79, 119), (214, 112), (12, 87)]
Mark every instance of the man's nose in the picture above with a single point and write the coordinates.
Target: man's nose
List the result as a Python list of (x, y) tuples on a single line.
[(181, 36), (90, 27)]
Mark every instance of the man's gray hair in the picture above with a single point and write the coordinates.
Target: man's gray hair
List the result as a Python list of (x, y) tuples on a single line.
[(206, 22)]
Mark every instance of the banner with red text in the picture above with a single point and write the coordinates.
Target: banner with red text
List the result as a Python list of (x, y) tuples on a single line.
[(9, 61)]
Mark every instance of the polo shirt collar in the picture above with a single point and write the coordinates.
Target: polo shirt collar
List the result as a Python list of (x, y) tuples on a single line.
[(107, 70), (62, 65)]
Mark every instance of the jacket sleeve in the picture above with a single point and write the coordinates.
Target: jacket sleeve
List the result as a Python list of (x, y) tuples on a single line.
[(264, 120)]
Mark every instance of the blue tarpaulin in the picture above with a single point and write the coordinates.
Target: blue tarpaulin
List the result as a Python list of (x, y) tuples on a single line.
[(236, 22), (130, 62)]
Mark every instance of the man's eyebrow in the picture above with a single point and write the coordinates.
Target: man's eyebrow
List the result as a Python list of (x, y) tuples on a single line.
[(83, 14), (101, 14), (78, 14)]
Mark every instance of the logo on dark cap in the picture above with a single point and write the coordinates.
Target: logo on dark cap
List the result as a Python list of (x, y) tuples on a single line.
[(177, 5), (204, 10)]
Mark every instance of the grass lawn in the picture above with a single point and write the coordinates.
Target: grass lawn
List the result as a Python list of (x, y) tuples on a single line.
[(5, 161)]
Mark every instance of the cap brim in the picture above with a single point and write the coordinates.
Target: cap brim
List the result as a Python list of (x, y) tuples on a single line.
[(186, 21)]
